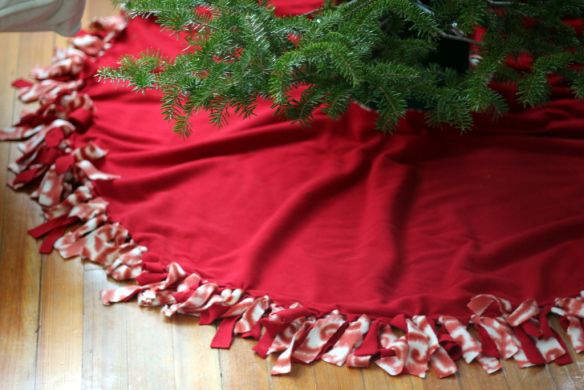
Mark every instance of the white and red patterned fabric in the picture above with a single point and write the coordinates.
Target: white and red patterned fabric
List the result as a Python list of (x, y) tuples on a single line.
[(334, 243)]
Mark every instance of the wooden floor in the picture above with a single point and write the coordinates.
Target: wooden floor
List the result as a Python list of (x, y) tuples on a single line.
[(55, 334)]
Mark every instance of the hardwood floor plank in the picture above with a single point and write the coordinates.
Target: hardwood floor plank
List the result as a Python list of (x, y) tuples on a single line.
[(568, 377), (242, 369), (97, 8), (565, 379), (302, 377), (105, 352), (375, 378), (432, 382), (333, 377), (196, 366), (55, 333), (527, 378), (8, 68), (60, 344), (20, 267), (417, 383), (20, 263), (150, 348), (473, 377)]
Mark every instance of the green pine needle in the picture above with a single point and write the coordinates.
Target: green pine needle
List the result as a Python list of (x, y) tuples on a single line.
[(376, 52)]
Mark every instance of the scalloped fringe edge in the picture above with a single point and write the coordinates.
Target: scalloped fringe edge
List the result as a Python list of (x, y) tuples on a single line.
[(63, 175)]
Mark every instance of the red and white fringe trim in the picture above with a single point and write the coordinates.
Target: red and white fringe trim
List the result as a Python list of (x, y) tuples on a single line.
[(62, 178)]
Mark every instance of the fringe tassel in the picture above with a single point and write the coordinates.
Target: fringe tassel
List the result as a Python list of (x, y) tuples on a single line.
[(298, 334), (60, 175), (61, 178)]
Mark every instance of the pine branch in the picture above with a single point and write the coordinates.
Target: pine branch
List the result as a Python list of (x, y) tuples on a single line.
[(376, 52)]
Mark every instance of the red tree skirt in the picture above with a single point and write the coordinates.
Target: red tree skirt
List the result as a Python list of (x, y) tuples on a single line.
[(333, 242)]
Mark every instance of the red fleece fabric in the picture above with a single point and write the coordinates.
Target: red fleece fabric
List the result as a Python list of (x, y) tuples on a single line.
[(338, 215)]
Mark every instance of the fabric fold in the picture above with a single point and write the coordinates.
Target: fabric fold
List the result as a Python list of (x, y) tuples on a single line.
[(334, 243)]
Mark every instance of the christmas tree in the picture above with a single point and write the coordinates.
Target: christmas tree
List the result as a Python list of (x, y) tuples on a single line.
[(383, 54)]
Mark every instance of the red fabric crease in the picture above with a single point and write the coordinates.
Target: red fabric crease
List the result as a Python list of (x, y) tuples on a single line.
[(341, 216)]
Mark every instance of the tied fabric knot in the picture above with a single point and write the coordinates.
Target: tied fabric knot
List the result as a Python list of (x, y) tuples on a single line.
[(394, 351), (230, 316), (401, 345), (318, 336), (523, 333), (122, 294), (572, 306), (283, 364), (571, 312), (82, 118), (439, 359), (52, 230), (220, 306), (62, 177), (196, 300), (470, 347), (249, 324), (573, 327), (351, 339)]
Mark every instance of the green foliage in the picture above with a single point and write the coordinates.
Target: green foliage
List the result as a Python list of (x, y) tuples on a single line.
[(375, 52)]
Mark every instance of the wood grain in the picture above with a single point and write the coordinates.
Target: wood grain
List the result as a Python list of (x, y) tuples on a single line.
[(432, 382), (60, 342), (105, 343), (571, 376), (20, 263), (149, 341), (8, 67), (375, 378), (302, 377), (527, 378), (56, 334), (196, 366), (342, 378), (472, 376), (242, 369)]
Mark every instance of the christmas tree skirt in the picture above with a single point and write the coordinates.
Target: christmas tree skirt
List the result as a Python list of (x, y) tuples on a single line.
[(331, 242)]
